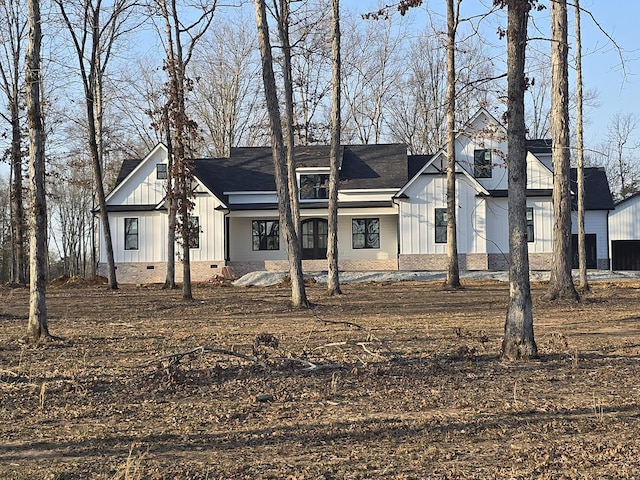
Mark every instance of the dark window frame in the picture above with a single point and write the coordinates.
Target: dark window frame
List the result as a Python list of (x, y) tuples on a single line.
[(161, 171), (366, 239), (530, 225), (440, 221), (265, 238), (131, 238), (314, 186), (482, 163), (194, 232)]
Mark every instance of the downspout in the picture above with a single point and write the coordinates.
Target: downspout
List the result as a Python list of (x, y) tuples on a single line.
[(609, 245), (227, 256), (399, 230)]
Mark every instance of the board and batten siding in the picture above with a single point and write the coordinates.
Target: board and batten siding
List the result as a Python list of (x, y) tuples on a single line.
[(595, 222), (417, 217), (152, 234), (624, 223), (142, 188), (152, 227), (498, 225)]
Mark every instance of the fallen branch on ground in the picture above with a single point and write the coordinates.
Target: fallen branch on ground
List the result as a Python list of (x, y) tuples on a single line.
[(371, 336)]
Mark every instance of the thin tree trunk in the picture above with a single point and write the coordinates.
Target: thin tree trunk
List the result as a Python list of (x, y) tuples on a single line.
[(582, 249), (561, 282), (518, 341), (333, 277), (288, 133), (170, 280), (452, 280), (294, 250), (37, 327), (17, 205)]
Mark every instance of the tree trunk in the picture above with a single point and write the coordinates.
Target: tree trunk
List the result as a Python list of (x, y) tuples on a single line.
[(518, 341), (37, 327), (294, 250), (333, 277), (288, 133), (17, 205), (582, 249), (561, 282), (170, 280), (452, 280)]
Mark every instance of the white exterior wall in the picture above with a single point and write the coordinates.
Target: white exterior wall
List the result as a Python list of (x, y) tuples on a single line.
[(152, 229), (498, 225), (147, 190), (417, 217), (211, 228), (241, 248), (624, 221), (152, 234), (595, 221)]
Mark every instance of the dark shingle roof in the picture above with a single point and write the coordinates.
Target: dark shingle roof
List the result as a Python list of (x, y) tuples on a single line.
[(597, 195), (539, 145), (251, 168), (415, 163)]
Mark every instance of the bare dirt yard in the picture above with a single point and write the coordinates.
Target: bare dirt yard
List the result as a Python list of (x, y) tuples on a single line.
[(419, 391)]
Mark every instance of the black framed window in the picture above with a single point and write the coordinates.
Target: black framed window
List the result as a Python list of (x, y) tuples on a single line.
[(131, 234), (314, 186), (161, 171), (530, 229), (194, 232), (265, 234), (441, 225), (482, 163), (365, 233)]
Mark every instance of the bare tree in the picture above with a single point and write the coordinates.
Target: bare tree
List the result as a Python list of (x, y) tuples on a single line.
[(94, 30), (183, 129), (373, 62), (298, 293), (6, 247), (582, 248), (226, 99), (518, 341), (310, 62), (282, 13), (333, 277), (12, 38), (37, 327), (623, 168), (452, 280), (561, 281)]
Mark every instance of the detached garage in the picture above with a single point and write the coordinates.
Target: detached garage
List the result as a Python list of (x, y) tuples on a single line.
[(624, 232)]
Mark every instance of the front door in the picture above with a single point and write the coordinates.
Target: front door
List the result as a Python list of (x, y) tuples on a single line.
[(314, 239)]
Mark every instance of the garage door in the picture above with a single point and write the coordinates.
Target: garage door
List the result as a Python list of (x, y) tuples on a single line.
[(625, 254)]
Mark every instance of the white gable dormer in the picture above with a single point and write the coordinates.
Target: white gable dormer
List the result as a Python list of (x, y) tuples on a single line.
[(146, 184)]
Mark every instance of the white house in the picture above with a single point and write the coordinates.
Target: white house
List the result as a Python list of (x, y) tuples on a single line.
[(392, 209), (624, 228)]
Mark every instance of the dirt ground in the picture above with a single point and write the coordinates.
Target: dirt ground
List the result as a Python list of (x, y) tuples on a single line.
[(419, 391)]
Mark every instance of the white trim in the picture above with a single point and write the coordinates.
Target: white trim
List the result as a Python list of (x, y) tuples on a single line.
[(251, 192), (304, 170)]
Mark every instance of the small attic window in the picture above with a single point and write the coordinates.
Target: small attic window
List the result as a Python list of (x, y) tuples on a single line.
[(161, 171), (314, 186)]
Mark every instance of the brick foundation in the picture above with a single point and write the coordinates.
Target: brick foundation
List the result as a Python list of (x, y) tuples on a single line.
[(348, 265), (156, 272), (438, 262)]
